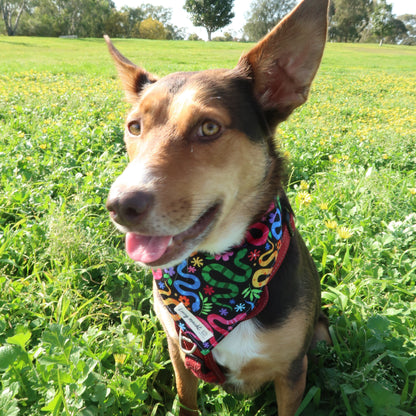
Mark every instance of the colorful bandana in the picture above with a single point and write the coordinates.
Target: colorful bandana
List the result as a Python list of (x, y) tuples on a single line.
[(208, 296)]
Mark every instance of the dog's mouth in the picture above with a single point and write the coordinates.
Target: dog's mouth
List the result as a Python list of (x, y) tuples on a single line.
[(155, 251)]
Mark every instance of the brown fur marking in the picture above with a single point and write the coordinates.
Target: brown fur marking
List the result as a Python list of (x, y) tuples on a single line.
[(177, 177)]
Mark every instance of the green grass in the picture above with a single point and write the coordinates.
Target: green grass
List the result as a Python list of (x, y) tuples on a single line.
[(78, 335)]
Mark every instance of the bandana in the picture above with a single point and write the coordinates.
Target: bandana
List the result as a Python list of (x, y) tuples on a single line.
[(208, 296)]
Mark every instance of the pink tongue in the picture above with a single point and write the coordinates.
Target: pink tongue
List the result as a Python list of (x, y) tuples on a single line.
[(146, 249)]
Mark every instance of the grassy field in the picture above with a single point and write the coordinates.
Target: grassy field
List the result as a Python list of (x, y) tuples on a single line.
[(78, 335)]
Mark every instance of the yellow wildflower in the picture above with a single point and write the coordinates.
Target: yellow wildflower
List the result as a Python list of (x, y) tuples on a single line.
[(304, 198), (120, 358), (331, 224), (304, 186), (323, 206), (344, 232), (412, 191)]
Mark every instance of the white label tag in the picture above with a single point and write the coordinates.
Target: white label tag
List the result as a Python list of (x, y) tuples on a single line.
[(197, 327)]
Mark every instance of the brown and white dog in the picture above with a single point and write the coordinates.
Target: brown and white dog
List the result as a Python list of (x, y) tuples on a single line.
[(203, 168)]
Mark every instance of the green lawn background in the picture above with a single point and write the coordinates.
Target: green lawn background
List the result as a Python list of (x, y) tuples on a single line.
[(77, 332)]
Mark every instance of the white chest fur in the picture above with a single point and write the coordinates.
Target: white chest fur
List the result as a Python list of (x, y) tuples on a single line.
[(238, 348)]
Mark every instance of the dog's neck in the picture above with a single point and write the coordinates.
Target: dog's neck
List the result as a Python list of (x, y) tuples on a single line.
[(209, 295)]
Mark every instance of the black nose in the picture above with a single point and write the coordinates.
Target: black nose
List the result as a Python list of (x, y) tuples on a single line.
[(129, 208)]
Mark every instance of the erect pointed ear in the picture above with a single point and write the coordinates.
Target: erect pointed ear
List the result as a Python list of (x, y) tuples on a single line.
[(284, 63), (133, 78)]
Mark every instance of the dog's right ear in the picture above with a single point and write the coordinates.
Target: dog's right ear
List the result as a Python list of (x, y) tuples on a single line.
[(283, 64), (133, 78)]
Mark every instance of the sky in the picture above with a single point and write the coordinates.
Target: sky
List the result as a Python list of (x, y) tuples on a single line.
[(241, 7)]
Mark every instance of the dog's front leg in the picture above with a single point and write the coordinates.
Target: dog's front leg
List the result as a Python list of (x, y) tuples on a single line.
[(186, 382), (290, 388)]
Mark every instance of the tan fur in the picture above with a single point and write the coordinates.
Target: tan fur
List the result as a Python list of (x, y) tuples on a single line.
[(229, 166), (281, 346), (176, 176), (289, 393), (186, 382)]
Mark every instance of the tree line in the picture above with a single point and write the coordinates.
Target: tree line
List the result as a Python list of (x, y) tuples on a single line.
[(349, 20), (86, 18)]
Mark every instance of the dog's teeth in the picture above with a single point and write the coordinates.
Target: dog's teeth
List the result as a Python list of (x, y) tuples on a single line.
[(170, 242)]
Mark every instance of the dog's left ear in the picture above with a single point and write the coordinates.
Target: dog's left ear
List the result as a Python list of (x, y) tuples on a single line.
[(133, 78), (285, 62)]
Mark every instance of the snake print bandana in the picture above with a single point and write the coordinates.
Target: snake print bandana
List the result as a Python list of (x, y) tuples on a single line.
[(208, 296)]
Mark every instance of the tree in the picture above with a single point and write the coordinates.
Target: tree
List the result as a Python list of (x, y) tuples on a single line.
[(11, 12), (43, 19), (115, 25), (174, 33), (210, 14), (94, 14), (129, 19), (348, 18), (385, 25), (83, 18), (398, 31), (159, 13), (151, 29), (409, 21), (227, 37), (264, 16), (381, 19), (194, 37), (164, 16)]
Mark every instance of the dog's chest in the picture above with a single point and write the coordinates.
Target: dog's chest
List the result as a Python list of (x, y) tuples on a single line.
[(251, 355), (241, 347)]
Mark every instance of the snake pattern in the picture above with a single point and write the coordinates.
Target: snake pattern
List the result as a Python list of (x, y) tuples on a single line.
[(221, 291)]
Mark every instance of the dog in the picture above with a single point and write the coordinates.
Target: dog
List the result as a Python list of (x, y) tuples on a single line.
[(202, 203)]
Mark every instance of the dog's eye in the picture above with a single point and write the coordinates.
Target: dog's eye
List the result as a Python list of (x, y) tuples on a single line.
[(209, 128), (135, 128)]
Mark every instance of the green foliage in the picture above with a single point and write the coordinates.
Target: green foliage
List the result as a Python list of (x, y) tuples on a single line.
[(409, 21), (194, 37), (77, 332), (84, 18), (226, 38), (366, 21), (210, 14), (383, 23), (264, 15), (151, 29), (10, 13), (87, 18), (348, 19)]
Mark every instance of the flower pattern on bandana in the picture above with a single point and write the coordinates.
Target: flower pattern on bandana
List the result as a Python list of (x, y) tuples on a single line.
[(221, 291)]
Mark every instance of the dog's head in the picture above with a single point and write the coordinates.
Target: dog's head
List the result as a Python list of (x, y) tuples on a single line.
[(202, 160)]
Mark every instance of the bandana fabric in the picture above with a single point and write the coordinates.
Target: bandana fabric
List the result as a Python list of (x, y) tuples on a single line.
[(208, 296)]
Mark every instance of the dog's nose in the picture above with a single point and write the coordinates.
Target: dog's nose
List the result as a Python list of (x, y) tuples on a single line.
[(128, 208)]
